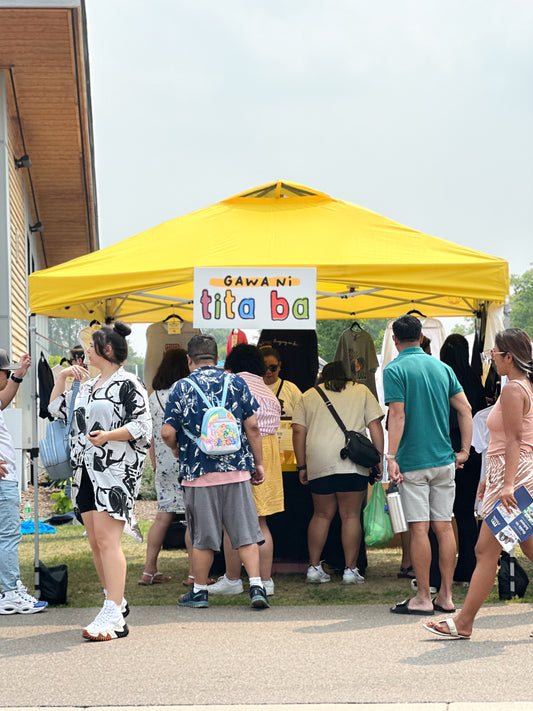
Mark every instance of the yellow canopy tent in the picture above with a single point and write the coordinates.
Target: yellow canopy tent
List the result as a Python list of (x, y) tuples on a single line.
[(367, 265)]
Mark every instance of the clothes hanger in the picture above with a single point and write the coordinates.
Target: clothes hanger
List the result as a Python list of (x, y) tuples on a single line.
[(171, 316), (416, 311), (355, 324)]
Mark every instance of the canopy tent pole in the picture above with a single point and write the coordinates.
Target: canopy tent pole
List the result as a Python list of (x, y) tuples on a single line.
[(34, 450)]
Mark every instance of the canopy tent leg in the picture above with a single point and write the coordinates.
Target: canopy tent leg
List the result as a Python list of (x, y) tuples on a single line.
[(34, 451)]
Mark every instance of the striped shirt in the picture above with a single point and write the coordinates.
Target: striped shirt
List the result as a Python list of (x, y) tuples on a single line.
[(269, 413)]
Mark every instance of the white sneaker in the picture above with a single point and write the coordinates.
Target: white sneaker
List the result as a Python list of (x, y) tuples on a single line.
[(124, 607), (224, 586), (107, 625), (315, 574), (20, 601), (414, 586), (268, 585), (352, 576)]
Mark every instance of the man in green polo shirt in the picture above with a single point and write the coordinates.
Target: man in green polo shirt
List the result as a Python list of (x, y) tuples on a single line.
[(419, 391)]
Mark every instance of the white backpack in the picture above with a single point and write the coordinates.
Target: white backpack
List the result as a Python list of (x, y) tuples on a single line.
[(220, 432)]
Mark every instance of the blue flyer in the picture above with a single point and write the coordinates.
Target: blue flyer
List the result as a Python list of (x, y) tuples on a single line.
[(512, 528)]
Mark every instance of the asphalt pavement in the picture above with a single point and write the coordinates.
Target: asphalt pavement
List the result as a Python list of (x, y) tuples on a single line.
[(281, 657)]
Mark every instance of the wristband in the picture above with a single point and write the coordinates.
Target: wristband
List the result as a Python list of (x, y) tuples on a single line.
[(16, 380), (390, 456), (304, 466), (466, 451)]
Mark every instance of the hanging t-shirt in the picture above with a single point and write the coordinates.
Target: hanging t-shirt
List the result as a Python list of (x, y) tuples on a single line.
[(431, 327), (235, 337), (357, 352), (298, 353), (158, 341)]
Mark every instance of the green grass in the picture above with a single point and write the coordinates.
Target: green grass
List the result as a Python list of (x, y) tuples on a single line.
[(69, 546)]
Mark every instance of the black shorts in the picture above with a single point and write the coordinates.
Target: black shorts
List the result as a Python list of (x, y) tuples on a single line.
[(334, 483), (85, 497)]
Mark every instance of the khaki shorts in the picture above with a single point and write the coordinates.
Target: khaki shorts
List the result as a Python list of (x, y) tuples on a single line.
[(428, 494)]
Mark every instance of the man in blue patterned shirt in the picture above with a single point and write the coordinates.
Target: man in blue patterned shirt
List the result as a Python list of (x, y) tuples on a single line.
[(216, 488)]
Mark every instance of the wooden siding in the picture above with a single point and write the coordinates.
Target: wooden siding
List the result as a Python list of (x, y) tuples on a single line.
[(45, 79)]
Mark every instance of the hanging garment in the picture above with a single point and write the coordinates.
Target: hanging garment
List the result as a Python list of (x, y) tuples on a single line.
[(235, 337), (480, 442), (298, 353), (159, 340), (357, 352), (46, 385), (431, 327), (84, 338)]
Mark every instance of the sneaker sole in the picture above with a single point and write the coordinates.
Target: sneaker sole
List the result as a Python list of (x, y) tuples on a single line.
[(192, 603), (259, 603), (116, 634), (317, 582), (229, 594), (17, 611), (352, 582)]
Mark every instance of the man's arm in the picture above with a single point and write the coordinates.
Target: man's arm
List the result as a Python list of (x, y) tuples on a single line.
[(11, 388), (464, 417), (396, 427), (254, 438)]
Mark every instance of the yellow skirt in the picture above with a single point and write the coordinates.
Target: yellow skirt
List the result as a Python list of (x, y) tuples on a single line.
[(268, 496)]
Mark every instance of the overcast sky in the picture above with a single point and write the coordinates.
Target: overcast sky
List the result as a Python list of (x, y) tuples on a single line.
[(421, 110)]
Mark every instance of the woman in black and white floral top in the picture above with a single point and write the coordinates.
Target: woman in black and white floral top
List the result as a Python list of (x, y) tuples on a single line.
[(110, 435)]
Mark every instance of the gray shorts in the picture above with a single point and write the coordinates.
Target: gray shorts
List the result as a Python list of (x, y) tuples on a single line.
[(208, 508), (428, 494)]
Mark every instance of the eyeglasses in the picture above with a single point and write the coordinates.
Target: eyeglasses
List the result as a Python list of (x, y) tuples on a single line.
[(493, 353), (272, 368)]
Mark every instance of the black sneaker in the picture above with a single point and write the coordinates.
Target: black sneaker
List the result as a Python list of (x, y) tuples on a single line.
[(194, 599), (258, 597)]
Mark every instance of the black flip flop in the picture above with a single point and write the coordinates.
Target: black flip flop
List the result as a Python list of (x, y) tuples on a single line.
[(407, 572), (402, 608), (439, 608)]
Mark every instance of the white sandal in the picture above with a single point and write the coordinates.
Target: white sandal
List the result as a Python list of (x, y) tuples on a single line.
[(154, 579), (452, 634)]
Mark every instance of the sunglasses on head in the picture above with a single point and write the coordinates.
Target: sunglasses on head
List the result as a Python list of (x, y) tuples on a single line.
[(272, 368)]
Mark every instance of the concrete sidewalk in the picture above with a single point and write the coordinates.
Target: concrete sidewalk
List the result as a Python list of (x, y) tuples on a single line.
[(238, 657)]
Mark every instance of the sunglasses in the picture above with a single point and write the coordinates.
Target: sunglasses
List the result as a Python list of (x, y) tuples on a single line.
[(493, 353), (272, 368)]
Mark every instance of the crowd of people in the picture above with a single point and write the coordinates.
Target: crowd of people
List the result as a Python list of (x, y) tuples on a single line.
[(211, 435)]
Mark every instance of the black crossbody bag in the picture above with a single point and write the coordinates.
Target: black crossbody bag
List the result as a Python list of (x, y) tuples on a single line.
[(358, 447)]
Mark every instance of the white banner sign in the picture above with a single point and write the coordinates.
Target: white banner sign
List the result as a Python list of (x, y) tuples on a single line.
[(231, 297)]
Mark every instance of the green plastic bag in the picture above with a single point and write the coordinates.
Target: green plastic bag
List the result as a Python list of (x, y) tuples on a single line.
[(378, 528)]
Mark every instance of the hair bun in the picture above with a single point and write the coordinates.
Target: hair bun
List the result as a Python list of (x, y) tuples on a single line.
[(121, 328)]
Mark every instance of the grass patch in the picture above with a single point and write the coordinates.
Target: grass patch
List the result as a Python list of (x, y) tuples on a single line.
[(70, 546)]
